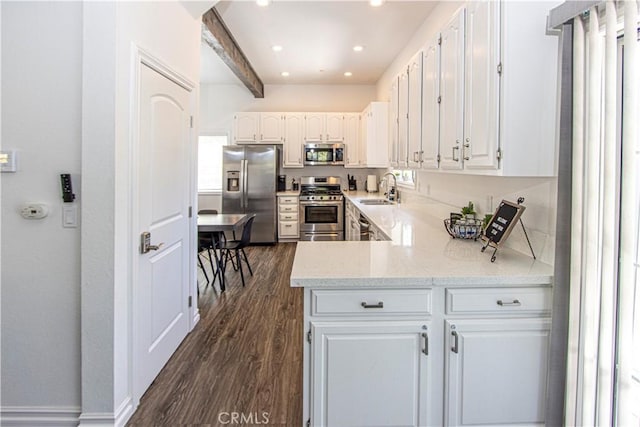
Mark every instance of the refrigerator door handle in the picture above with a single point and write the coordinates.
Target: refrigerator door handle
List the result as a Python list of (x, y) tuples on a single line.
[(242, 189), (245, 184)]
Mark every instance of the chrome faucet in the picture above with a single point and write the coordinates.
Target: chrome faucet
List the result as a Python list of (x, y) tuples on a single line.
[(392, 192)]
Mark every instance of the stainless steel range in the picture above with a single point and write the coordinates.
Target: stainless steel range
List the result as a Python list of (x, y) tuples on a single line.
[(321, 208)]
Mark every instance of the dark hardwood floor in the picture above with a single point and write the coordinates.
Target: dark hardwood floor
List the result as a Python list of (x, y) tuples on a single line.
[(243, 359)]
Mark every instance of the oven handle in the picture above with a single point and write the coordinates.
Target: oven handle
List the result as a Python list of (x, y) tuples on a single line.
[(325, 203)]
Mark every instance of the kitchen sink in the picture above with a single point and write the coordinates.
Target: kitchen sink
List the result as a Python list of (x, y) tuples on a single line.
[(375, 202)]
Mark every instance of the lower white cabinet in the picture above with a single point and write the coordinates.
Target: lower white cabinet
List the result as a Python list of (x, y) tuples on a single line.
[(496, 371), (288, 224), (369, 374)]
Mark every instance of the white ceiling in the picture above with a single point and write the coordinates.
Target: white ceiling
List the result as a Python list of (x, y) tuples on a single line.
[(317, 39)]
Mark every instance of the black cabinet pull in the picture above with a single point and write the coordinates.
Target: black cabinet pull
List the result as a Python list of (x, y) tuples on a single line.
[(378, 305)]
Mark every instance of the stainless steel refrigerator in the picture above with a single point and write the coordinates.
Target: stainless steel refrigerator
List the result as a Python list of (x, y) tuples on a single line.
[(249, 186)]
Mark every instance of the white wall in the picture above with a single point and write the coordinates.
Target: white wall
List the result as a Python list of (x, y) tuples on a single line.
[(41, 118), (452, 191)]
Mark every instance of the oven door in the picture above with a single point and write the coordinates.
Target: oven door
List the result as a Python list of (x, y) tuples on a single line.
[(321, 217)]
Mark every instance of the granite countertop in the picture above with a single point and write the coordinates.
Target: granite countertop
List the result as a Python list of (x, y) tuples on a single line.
[(420, 253)]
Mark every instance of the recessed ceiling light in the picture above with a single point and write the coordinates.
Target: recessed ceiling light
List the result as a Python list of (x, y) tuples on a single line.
[(376, 3), (263, 2), (276, 48), (358, 48), (284, 74), (348, 74)]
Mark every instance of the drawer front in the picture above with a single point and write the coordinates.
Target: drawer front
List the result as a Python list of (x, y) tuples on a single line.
[(288, 200), (498, 300), (289, 216), (370, 302), (288, 229), (288, 208)]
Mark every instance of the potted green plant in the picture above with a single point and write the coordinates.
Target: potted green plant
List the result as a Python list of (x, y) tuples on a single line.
[(485, 221), (469, 212)]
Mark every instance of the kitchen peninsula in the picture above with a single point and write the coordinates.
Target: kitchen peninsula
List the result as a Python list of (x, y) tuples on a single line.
[(421, 329)]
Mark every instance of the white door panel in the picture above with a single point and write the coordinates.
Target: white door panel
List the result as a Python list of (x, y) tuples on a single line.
[(162, 282)]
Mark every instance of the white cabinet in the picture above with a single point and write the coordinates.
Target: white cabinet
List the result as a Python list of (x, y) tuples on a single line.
[(352, 139), (393, 122), (431, 104), (258, 127), (414, 112), (293, 140), (452, 92), (497, 344), (323, 127), (351, 221), (482, 85), (369, 374), (403, 119), (288, 224), (374, 135), (496, 371)]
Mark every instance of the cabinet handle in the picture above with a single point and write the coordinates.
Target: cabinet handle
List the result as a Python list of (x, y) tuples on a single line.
[(453, 155), (503, 303), (425, 350), (464, 151), (455, 342), (378, 305)]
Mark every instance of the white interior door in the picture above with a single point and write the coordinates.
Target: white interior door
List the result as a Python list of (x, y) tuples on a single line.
[(162, 284)]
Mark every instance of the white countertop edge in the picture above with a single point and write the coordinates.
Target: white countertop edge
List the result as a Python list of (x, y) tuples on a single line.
[(412, 282)]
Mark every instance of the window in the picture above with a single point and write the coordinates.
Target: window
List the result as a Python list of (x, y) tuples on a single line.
[(210, 162), (405, 177)]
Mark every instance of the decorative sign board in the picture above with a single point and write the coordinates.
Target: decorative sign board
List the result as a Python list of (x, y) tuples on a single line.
[(504, 219)]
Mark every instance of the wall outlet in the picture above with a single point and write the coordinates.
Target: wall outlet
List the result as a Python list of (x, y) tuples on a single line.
[(34, 211)]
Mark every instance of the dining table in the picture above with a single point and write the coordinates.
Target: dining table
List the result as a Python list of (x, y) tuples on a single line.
[(219, 223)]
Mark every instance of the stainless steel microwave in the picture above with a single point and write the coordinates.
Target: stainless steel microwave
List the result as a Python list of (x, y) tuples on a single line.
[(323, 154)]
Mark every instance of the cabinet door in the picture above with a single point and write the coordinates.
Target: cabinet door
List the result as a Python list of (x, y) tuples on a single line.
[(314, 125), (351, 139), (246, 127), (271, 127), (452, 93), (293, 140), (334, 127), (376, 131), (403, 117), (431, 104), (369, 374), (496, 371), (393, 123), (414, 128), (482, 85)]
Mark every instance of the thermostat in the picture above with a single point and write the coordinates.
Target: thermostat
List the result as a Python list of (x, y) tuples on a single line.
[(34, 211)]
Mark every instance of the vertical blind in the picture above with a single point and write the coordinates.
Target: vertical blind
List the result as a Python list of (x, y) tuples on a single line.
[(604, 216)]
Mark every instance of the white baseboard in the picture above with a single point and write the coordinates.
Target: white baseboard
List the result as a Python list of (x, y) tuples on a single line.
[(107, 419), (39, 416)]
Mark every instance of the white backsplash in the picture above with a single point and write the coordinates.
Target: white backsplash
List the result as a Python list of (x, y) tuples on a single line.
[(446, 193)]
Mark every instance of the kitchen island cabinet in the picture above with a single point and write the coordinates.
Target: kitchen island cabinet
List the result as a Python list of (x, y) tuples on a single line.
[(386, 306)]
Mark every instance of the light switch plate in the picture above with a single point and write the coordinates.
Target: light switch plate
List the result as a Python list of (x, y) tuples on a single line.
[(8, 161), (69, 216)]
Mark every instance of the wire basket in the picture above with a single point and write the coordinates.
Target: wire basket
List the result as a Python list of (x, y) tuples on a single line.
[(464, 228)]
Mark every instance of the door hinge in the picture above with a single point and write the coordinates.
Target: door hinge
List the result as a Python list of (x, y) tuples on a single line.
[(309, 422), (440, 40), (438, 158), (191, 122), (500, 68), (190, 211), (309, 336), (439, 99), (190, 300), (499, 154)]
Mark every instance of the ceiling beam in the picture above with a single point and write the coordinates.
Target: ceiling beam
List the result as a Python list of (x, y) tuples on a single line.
[(216, 34)]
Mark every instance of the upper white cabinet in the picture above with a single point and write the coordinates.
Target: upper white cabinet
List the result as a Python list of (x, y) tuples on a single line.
[(352, 139), (452, 92), (414, 113), (489, 92), (258, 127), (482, 86), (293, 140), (393, 123), (431, 104), (324, 127), (374, 135)]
